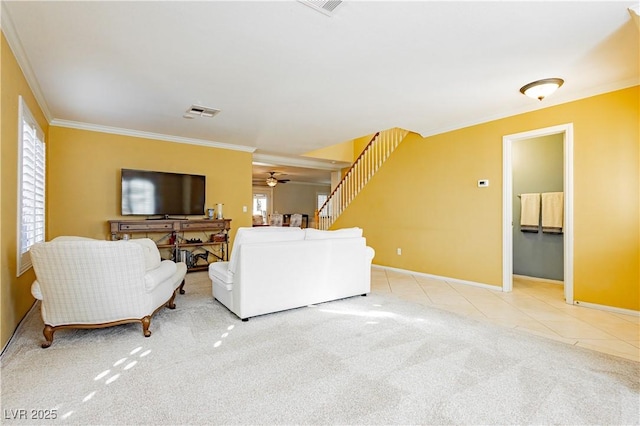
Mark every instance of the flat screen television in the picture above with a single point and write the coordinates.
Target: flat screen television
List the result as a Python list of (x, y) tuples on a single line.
[(149, 193)]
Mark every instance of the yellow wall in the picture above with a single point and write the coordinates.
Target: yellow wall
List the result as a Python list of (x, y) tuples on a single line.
[(83, 177), (15, 292), (359, 144), (347, 152), (338, 152), (425, 199)]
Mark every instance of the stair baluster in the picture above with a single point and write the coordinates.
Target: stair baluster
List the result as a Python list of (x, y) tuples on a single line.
[(377, 151)]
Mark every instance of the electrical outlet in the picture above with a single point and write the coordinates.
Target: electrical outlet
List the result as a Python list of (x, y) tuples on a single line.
[(399, 251), (244, 209)]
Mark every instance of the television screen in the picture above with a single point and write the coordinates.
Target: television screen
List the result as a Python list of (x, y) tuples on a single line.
[(159, 193)]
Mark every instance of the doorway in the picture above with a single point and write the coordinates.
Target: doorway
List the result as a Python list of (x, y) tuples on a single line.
[(566, 132), (262, 205)]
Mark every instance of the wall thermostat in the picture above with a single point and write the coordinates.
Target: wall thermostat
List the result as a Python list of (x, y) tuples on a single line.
[(483, 182)]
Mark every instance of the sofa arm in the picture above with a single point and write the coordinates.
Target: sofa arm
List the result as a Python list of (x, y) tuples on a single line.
[(370, 254), (158, 275)]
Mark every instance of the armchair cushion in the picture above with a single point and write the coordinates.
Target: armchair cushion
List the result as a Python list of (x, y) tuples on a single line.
[(35, 290), (163, 272), (150, 250), (72, 238)]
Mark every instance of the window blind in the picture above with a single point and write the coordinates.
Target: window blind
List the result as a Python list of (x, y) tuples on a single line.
[(31, 191)]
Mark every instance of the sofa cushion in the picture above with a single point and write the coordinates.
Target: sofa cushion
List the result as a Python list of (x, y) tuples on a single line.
[(316, 234), (261, 234)]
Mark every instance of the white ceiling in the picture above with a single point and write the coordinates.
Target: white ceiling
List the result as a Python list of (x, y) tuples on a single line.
[(289, 80)]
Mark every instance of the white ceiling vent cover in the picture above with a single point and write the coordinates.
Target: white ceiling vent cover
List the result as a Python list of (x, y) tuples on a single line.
[(201, 111), (322, 6)]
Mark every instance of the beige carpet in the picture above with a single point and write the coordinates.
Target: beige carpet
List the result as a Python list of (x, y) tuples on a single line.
[(363, 360)]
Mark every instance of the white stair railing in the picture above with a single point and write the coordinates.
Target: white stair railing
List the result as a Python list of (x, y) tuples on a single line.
[(366, 165)]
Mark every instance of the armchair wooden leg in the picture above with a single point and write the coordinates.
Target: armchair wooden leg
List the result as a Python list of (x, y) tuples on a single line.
[(182, 287), (171, 303), (146, 322), (48, 335)]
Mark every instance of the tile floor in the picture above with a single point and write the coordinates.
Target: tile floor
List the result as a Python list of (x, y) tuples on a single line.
[(533, 306)]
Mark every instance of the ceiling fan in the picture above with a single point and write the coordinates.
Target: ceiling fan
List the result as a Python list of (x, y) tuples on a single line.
[(273, 181)]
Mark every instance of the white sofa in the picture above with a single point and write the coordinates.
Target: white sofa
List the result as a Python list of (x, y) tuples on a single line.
[(272, 269), (86, 283)]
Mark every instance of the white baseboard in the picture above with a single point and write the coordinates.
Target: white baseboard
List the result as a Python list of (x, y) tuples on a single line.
[(438, 277), (544, 280), (497, 288), (607, 308)]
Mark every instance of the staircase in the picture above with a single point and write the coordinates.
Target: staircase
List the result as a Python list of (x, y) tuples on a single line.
[(366, 165)]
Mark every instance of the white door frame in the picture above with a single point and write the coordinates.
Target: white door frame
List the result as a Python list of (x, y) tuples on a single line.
[(268, 191), (507, 204)]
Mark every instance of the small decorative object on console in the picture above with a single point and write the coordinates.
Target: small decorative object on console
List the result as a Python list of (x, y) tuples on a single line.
[(218, 238), (204, 256)]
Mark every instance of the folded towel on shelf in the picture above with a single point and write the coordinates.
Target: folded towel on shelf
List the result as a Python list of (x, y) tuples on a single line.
[(552, 212), (529, 212)]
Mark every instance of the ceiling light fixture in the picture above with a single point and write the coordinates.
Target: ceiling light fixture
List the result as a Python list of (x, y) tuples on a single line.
[(271, 181), (542, 88)]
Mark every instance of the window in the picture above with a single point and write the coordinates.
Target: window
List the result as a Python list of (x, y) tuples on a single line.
[(260, 208), (322, 198), (31, 185)]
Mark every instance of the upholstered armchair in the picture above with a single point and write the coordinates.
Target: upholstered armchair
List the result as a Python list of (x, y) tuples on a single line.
[(86, 283), (276, 219), (296, 220)]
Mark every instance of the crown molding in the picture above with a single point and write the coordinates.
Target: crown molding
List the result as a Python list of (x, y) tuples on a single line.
[(9, 31), (149, 135)]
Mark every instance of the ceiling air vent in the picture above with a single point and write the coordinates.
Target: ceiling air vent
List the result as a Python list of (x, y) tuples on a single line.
[(200, 111), (325, 7)]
